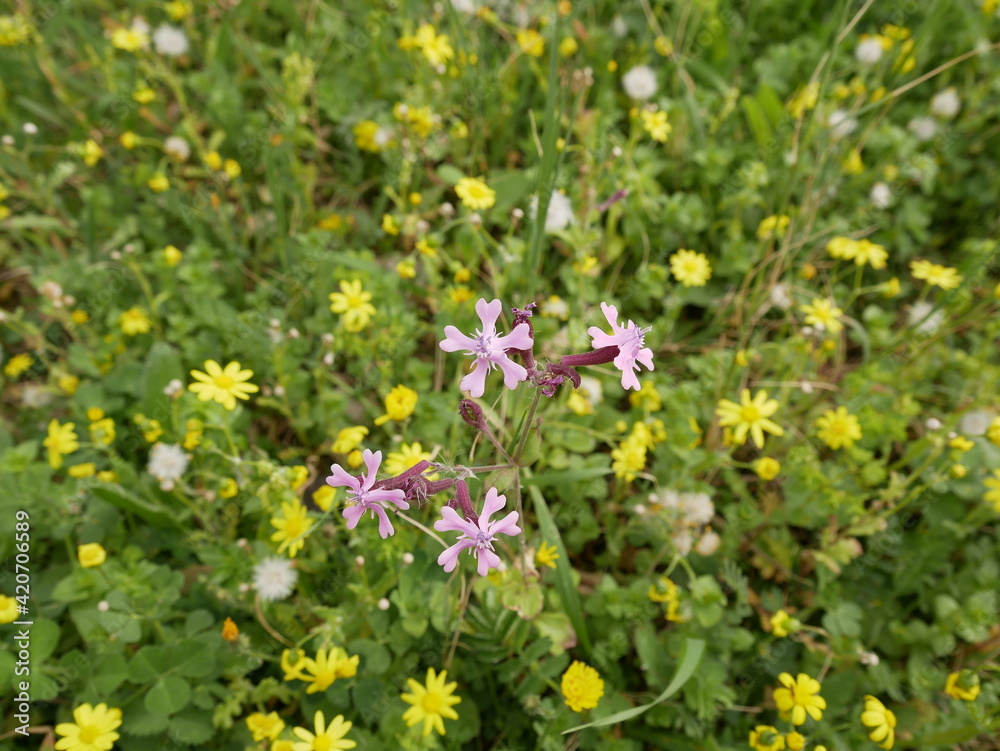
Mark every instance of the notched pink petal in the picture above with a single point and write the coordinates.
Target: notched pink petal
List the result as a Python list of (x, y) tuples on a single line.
[(455, 340), (449, 558), (372, 462), (452, 522), (384, 525), (340, 478), (489, 312), (519, 338), (513, 373), (493, 503), (353, 515), (475, 382), (506, 526)]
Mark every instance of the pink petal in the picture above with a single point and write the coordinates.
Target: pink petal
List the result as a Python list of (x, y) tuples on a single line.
[(493, 503), (452, 522), (630, 380), (455, 340), (513, 373), (384, 525), (506, 526), (339, 478), (611, 313), (389, 496), (519, 338), (599, 339), (353, 515), (645, 356), (449, 558), (488, 314), (372, 461), (487, 560), (475, 382)]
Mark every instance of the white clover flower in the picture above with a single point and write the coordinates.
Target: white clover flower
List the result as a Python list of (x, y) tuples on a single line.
[(30, 128), (880, 195), (274, 578), (868, 51), (976, 422), (945, 104), (34, 396), (708, 543), (841, 124), (933, 423), (618, 27), (682, 542), (666, 498), (697, 508), (167, 462), (924, 128), (640, 82), (926, 319), (177, 147), (558, 216), (174, 389), (868, 658), (780, 297), (592, 389), (171, 41)]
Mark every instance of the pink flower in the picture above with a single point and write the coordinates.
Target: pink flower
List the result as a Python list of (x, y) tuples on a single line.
[(363, 497), (479, 537), (629, 340), (489, 349)]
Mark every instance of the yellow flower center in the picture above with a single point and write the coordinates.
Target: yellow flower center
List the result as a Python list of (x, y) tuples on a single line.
[(355, 301), (294, 527), (750, 413), (431, 703), (225, 382), (838, 427), (89, 734), (322, 743)]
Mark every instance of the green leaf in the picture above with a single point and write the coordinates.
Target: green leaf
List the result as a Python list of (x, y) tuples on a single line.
[(198, 621), (191, 727), (109, 674), (193, 659), (564, 570), (168, 695), (156, 515), (522, 596), (148, 664), (844, 620), (689, 659), (142, 722), (44, 638), (757, 120), (375, 659), (450, 173)]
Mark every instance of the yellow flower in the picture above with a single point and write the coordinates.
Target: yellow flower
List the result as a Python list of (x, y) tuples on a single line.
[(223, 386), (399, 405), (92, 729), (352, 303), (531, 42), (629, 458), (782, 624), (655, 123), (107, 476), (231, 632), (891, 288), (325, 669), (172, 255), (327, 737), (232, 168), (431, 703), (993, 495), (406, 269), (229, 488), (61, 440), (323, 497), (80, 317), (990, 6), (795, 741), (409, 455), (647, 397), (663, 46), (853, 165), (579, 404), (4, 213), (213, 160), (17, 365), (460, 294), (82, 471), (933, 274), (838, 428), (285, 745), (134, 321), (426, 249), (436, 47), (962, 685), (993, 431), (355, 459), (667, 592), (68, 384), (799, 695), (804, 99), (129, 39), (389, 225), (582, 687), (8, 609), (568, 47), (349, 439), (365, 136), (766, 738), (293, 669), (15, 31), (772, 226), (474, 193), (158, 183), (767, 468), (882, 722), (547, 555), (749, 416), (293, 527), (823, 314), (178, 9), (264, 727), (90, 555), (865, 251), (92, 153), (690, 268), (193, 431), (143, 95), (961, 443)]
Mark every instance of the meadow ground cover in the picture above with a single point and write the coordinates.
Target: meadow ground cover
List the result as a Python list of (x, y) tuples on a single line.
[(564, 375)]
